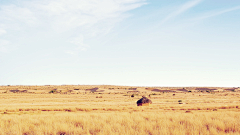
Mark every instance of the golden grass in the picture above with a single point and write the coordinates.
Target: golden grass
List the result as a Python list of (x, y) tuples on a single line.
[(86, 113), (178, 123)]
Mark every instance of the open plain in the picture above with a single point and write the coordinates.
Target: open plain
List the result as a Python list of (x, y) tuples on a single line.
[(104, 109)]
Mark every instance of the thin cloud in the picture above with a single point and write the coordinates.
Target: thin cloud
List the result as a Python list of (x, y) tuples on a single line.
[(217, 13), (79, 42), (2, 31), (182, 9), (62, 15), (3, 45), (62, 18)]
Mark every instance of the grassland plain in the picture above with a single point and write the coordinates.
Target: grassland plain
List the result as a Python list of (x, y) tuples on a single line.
[(112, 110)]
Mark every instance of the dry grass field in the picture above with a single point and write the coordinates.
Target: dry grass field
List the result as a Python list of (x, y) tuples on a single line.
[(107, 110)]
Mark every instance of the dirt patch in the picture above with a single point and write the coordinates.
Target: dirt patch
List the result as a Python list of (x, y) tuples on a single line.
[(158, 90), (92, 90)]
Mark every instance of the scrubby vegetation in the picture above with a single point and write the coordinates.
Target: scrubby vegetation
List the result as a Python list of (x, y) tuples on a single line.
[(116, 112)]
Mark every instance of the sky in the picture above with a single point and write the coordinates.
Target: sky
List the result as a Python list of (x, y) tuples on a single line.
[(120, 42)]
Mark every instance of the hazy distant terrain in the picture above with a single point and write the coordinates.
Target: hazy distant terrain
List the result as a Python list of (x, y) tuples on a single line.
[(74, 89)]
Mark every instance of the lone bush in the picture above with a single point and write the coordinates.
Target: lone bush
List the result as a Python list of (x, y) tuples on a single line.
[(52, 91)]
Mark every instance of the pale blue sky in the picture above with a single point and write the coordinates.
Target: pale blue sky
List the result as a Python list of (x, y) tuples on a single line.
[(120, 42)]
